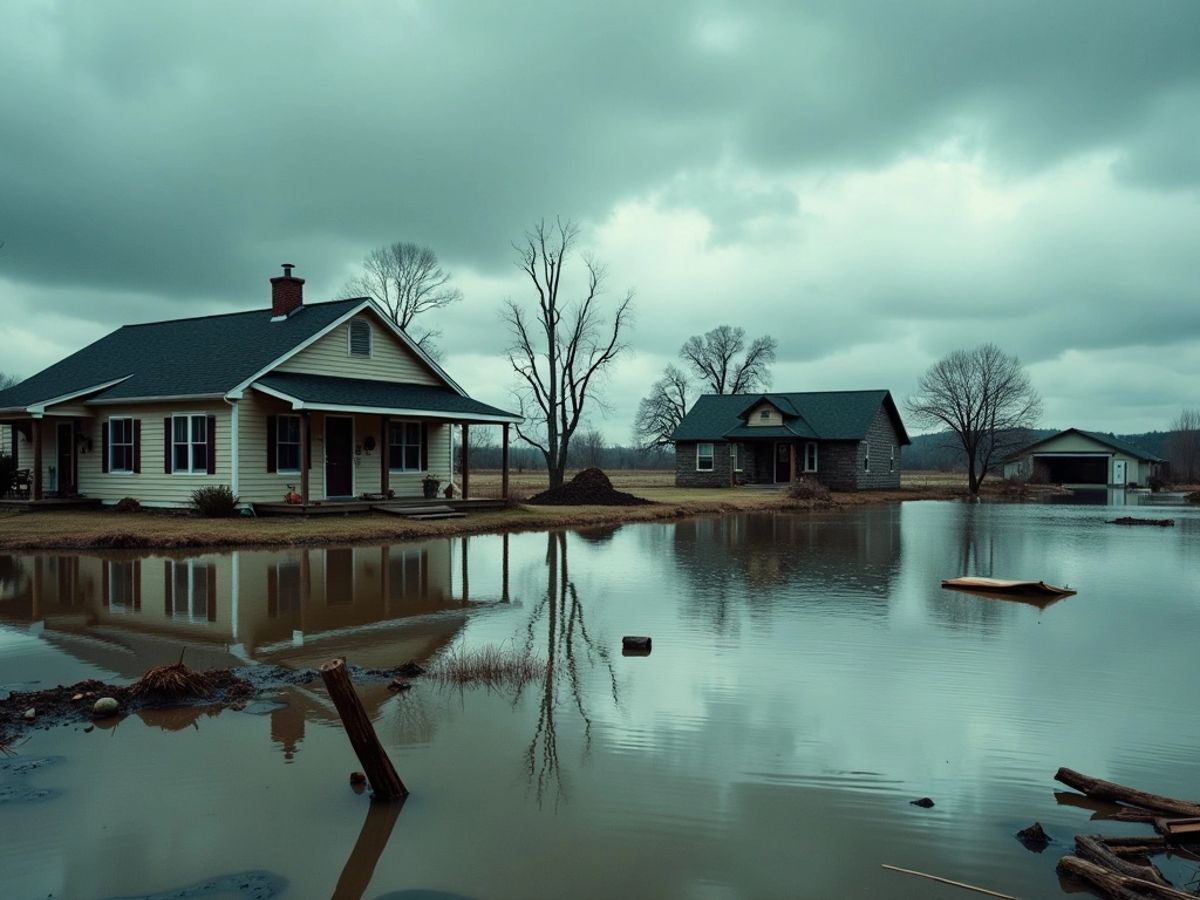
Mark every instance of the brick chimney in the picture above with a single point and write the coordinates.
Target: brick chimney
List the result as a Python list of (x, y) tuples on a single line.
[(287, 293)]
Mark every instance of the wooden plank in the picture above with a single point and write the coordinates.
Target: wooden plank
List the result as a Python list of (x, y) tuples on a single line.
[(960, 884)]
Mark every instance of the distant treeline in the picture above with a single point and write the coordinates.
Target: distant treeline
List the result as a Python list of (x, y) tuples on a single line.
[(942, 453), (527, 459)]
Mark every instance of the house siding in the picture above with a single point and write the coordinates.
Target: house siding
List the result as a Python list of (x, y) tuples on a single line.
[(152, 486), (882, 440), (390, 360)]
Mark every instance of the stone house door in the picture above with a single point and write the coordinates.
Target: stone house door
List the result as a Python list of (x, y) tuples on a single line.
[(783, 463)]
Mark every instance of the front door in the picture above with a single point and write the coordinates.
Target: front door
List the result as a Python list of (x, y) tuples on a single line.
[(783, 463), (1119, 472), (66, 459), (339, 456)]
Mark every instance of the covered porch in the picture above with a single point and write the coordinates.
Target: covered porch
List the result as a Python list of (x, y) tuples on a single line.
[(771, 461), (45, 450), (379, 445)]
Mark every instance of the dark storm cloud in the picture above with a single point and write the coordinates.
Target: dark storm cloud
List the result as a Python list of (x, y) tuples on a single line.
[(160, 157)]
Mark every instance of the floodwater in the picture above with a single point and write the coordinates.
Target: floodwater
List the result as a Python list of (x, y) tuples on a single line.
[(809, 678)]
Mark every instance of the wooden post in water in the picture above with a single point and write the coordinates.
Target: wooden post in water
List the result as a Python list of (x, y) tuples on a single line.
[(385, 783), (360, 867)]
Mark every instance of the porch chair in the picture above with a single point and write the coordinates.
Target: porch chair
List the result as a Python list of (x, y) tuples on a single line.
[(22, 484)]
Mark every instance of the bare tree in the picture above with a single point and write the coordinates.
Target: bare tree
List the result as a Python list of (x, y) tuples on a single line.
[(589, 448), (561, 349), (660, 412), (1183, 446), (406, 280), (985, 398), (6, 380), (714, 358)]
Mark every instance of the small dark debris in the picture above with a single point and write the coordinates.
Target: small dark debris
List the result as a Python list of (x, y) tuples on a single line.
[(399, 684), (358, 778), (1034, 837), (408, 670), (636, 643), (924, 803)]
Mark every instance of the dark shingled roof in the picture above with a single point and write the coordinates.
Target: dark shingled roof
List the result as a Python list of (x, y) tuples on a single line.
[(328, 390), (1107, 439), (821, 415), (206, 355)]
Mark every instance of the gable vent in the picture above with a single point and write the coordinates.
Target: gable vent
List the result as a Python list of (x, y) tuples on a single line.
[(360, 338)]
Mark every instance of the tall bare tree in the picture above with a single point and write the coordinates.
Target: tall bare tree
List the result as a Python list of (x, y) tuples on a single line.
[(713, 357), (562, 348), (1183, 446), (985, 398), (406, 280), (6, 380), (660, 412)]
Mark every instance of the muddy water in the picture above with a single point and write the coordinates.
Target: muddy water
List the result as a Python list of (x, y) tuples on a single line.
[(809, 677)]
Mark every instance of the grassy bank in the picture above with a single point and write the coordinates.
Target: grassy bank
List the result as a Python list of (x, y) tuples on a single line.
[(73, 530)]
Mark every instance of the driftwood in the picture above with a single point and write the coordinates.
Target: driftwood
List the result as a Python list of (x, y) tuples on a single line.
[(1115, 884), (1130, 520), (1110, 790), (1133, 845), (385, 783), (1091, 849)]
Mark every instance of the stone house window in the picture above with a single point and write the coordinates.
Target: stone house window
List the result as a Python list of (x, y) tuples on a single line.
[(892, 460), (735, 455), (704, 457), (810, 456), (866, 456)]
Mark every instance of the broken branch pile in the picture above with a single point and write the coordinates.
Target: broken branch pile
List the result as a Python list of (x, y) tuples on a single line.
[(1120, 867)]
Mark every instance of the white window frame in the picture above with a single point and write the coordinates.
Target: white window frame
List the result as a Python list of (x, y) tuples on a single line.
[(190, 565), (365, 323), (735, 456), (112, 445), (405, 444), (401, 559), (711, 457), (892, 460), (127, 603), (280, 469), (867, 458), (764, 414), (284, 601), (811, 445), (191, 443)]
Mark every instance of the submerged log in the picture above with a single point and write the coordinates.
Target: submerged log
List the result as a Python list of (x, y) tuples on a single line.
[(1091, 849), (385, 783), (1110, 790), (1133, 845), (1114, 884)]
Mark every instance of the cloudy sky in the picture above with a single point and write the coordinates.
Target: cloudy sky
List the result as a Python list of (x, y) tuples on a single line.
[(873, 183)]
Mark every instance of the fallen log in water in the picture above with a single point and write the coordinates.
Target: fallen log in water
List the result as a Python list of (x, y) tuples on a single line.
[(1091, 849), (1130, 520), (1110, 790), (1117, 885), (385, 783), (1133, 845)]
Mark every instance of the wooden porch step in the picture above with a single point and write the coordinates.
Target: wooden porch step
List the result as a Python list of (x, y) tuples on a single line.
[(446, 515)]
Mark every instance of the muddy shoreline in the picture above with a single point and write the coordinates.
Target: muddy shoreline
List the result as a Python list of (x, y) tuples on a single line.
[(73, 704), (172, 530)]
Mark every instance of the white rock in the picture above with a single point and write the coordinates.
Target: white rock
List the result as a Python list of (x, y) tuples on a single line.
[(105, 706), (30, 713)]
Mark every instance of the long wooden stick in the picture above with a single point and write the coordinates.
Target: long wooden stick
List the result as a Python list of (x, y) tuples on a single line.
[(961, 884)]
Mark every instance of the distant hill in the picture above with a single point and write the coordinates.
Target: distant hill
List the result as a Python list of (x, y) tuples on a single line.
[(941, 452)]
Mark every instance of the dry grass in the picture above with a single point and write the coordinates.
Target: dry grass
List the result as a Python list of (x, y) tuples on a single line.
[(174, 682), (91, 530), (489, 666)]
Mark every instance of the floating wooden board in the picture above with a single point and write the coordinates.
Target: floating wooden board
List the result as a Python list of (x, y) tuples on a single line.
[(1004, 586)]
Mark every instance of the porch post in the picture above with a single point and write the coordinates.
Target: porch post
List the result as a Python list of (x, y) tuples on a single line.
[(36, 429), (504, 469), (383, 455), (466, 458), (792, 461), (304, 461)]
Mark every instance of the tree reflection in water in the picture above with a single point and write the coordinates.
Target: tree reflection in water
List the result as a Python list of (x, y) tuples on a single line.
[(568, 645)]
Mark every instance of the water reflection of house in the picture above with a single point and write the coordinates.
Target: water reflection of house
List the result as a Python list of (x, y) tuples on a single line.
[(377, 605), (858, 554)]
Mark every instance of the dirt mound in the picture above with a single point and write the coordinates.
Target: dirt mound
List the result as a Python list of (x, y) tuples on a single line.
[(590, 487)]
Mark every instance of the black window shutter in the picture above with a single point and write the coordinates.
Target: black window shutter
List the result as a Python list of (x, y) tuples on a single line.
[(272, 465), (308, 444), (211, 452), (167, 445), (137, 446), (168, 588), (104, 447), (424, 447)]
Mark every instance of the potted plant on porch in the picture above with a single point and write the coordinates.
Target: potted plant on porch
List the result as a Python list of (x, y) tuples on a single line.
[(429, 484)]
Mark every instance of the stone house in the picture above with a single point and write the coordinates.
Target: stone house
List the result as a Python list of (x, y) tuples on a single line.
[(847, 440)]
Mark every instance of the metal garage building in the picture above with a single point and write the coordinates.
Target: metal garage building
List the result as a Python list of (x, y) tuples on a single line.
[(1075, 457)]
